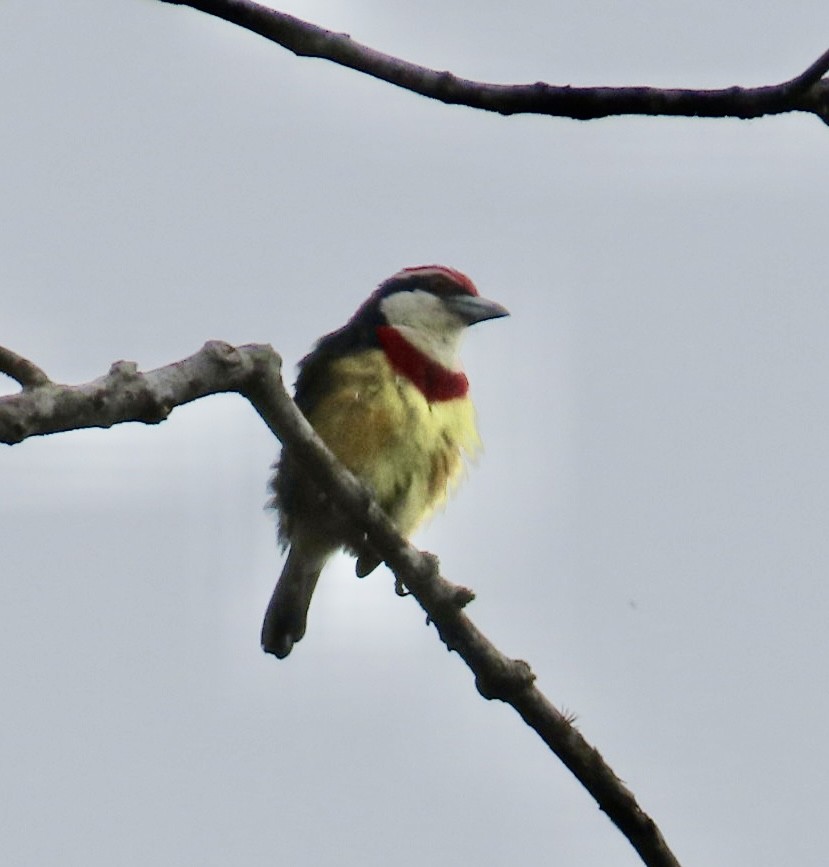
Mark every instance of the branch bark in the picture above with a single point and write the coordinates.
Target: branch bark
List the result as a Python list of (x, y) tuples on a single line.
[(124, 394), (808, 91), (20, 369)]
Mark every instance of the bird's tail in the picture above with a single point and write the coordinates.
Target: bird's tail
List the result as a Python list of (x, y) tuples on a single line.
[(287, 611)]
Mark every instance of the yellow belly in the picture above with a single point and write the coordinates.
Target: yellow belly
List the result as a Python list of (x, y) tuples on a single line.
[(380, 426)]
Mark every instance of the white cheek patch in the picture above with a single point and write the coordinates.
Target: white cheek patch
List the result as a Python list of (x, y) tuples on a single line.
[(419, 309), (424, 320)]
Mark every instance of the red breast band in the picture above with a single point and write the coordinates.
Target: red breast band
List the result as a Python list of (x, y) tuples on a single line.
[(434, 380)]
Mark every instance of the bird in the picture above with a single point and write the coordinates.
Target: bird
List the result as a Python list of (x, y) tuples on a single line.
[(387, 394)]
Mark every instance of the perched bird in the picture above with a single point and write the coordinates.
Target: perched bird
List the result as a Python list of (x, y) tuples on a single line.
[(387, 394)]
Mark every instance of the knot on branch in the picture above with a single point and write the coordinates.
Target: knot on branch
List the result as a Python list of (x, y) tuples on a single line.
[(124, 384), (223, 353), (421, 569), (447, 603), (461, 596), (505, 679), (123, 372), (445, 597)]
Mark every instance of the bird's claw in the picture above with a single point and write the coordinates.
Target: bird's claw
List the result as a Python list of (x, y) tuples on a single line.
[(400, 588)]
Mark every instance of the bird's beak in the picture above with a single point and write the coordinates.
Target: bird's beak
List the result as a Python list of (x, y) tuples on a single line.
[(473, 308)]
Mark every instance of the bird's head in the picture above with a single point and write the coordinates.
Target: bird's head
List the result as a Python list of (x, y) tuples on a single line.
[(431, 306)]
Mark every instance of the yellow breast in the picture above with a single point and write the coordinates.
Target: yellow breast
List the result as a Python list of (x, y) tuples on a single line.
[(410, 451)]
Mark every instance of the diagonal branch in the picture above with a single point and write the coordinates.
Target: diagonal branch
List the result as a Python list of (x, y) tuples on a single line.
[(124, 394), (808, 91)]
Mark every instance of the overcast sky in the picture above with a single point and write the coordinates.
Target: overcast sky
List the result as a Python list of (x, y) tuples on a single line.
[(647, 525)]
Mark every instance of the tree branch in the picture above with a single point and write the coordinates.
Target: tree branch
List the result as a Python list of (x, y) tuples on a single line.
[(124, 394), (808, 91), (23, 371)]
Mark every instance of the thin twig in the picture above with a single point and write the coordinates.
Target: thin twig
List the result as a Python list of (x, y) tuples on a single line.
[(805, 92)]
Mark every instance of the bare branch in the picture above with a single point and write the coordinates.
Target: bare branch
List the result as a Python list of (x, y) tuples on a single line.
[(23, 371), (805, 92), (125, 394)]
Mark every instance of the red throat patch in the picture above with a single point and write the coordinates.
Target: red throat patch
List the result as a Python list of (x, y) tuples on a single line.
[(433, 380)]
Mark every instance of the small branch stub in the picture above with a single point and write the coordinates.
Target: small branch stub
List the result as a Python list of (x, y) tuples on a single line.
[(506, 682)]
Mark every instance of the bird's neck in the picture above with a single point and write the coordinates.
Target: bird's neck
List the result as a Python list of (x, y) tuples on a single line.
[(433, 379)]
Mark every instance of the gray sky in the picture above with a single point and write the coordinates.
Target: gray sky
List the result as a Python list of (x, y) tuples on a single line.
[(647, 526)]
